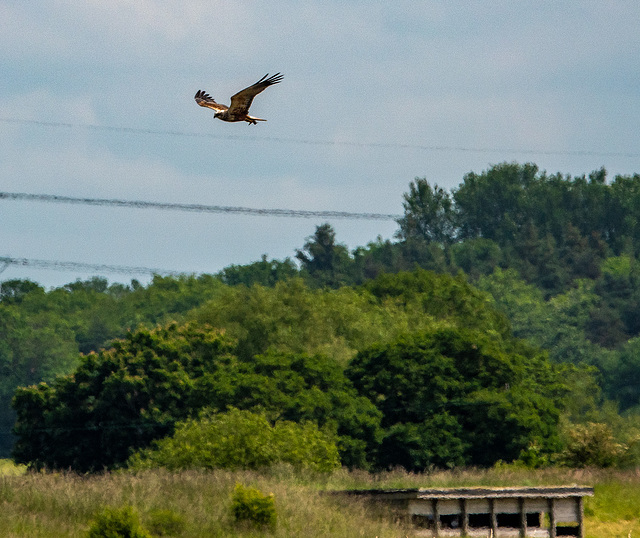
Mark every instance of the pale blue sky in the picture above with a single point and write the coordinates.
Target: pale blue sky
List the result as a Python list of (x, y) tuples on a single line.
[(555, 83)]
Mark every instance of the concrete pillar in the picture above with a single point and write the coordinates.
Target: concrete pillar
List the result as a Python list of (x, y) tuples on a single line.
[(580, 516), (464, 515), (494, 517), (552, 517), (523, 518)]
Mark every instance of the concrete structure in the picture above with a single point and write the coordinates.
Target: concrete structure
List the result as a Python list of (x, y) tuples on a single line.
[(520, 512)]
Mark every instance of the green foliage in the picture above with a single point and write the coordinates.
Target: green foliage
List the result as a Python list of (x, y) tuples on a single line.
[(42, 331), (428, 214), (558, 255), (622, 377), (251, 505), (291, 317), (477, 257), (614, 319), (120, 400), (14, 291), (326, 262), (299, 388), (562, 325), (117, 400), (458, 397), (450, 300), (592, 445), (491, 204), (240, 440), (264, 272), (34, 346), (557, 324), (117, 523), (166, 523)]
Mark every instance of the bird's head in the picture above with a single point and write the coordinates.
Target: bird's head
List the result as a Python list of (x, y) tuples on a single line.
[(218, 115)]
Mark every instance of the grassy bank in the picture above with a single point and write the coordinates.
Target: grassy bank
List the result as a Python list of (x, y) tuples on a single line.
[(57, 505), (61, 504)]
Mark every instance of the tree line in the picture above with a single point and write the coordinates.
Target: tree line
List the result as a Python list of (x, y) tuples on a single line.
[(413, 369), (546, 265)]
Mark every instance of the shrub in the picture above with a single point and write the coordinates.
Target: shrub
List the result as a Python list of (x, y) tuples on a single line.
[(117, 523), (592, 445), (240, 440), (165, 523), (251, 505)]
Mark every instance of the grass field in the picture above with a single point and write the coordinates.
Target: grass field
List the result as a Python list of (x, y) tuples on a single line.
[(64, 504)]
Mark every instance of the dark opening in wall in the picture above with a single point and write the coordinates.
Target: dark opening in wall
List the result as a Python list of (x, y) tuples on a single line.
[(480, 520), (567, 530), (513, 520)]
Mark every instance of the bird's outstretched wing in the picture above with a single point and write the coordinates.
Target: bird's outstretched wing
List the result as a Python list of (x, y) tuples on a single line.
[(204, 99), (241, 101)]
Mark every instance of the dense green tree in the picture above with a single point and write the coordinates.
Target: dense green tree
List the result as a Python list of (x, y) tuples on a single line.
[(557, 324), (292, 317), (624, 214), (428, 214), (379, 256), (477, 257), (13, 291), (299, 388), (451, 397), (121, 399), (537, 259), (553, 229), (167, 299), (622, 377), (450, 300), (616, 317), (117, 400), (264, 272), (33, 348), (327, 263), (575, 291), (493, 204), (561, 325), (581, 256), (42, 331)]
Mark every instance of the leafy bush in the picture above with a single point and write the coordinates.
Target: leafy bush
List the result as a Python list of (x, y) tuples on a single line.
[(240, 440), (117, 523), (592, 445), (165, 523), (250, 504), (298, 388)]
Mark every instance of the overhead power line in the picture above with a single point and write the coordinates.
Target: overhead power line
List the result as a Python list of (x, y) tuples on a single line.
[(317, 142), (89, 267), (198, 208)]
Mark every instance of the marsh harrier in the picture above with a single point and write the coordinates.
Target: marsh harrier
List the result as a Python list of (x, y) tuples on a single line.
[(240, 102)]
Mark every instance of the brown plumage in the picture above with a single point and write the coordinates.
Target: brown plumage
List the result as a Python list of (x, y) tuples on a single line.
[(240, 102)]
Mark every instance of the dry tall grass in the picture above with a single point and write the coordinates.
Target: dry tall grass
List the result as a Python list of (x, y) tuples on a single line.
[(63, 504), (60, 504)]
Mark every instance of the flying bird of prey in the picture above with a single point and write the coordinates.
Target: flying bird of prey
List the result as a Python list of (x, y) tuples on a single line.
[(240, 102)]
